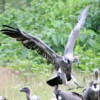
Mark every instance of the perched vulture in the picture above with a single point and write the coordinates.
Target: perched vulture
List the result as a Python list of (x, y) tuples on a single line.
[(2, 98), (93, 91), (62, 63), (62, 95), (27, 91)]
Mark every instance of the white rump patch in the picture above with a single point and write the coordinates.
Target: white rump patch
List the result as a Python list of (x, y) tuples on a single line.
[(95, 89), (59, 98)]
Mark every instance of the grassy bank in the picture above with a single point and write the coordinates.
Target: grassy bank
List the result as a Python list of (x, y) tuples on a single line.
[(11, 82)]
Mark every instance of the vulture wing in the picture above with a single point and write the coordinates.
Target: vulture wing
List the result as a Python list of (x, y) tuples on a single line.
[(31, 42), (75, 32), (77, 94)]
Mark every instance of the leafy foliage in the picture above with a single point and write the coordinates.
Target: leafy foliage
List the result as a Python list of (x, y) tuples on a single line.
[(52, 21)]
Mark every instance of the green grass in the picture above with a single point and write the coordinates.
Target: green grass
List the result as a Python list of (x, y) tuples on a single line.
[(11, 82)]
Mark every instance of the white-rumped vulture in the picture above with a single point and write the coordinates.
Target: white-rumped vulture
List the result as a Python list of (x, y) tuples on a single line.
[(62, 63), (93, 91), (2, 98), (63, 95), (28, 96)]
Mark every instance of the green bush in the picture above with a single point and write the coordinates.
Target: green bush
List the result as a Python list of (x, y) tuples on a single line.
[(52, 21)]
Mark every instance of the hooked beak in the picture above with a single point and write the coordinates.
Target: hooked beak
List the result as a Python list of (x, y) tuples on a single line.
[(21, 90)]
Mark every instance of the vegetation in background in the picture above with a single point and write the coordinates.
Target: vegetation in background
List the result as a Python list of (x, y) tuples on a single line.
[(52, 21)]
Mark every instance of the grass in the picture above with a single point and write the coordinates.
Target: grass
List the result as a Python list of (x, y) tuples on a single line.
[(11, 82)]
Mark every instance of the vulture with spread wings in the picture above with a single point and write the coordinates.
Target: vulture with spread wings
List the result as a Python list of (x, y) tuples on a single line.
[(62, 63)]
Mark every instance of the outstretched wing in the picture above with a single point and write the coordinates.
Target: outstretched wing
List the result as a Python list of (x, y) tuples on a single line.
[(31, 42), (75, 32)]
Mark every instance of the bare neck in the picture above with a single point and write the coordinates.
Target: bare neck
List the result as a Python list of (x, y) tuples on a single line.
[(28, 96)]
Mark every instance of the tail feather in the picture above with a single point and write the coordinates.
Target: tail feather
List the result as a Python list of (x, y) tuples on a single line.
[(55, 81)]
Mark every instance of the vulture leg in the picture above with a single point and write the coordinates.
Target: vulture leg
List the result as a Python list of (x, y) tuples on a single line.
[(69, 88), (75, 81), (78, 86), (63, 79)]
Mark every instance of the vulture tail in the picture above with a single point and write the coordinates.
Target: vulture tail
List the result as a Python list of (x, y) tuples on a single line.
[(55, 81)]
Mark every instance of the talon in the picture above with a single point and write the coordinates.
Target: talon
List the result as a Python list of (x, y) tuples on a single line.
[(79, 87), (70, 88)]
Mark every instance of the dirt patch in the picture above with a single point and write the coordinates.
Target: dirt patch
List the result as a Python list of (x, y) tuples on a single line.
[(8, 71), (7, 76)]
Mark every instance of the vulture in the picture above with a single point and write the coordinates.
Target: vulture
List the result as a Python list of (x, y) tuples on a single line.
[(27, 91), (61, 79), (2, 98), (63, 95), (62, 63), (93, 91)]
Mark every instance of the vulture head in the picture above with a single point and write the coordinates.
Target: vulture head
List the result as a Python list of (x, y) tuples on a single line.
[(25, 89)]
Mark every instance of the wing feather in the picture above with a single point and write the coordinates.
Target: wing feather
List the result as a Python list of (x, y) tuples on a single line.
[(31, 42), (75, 32)]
